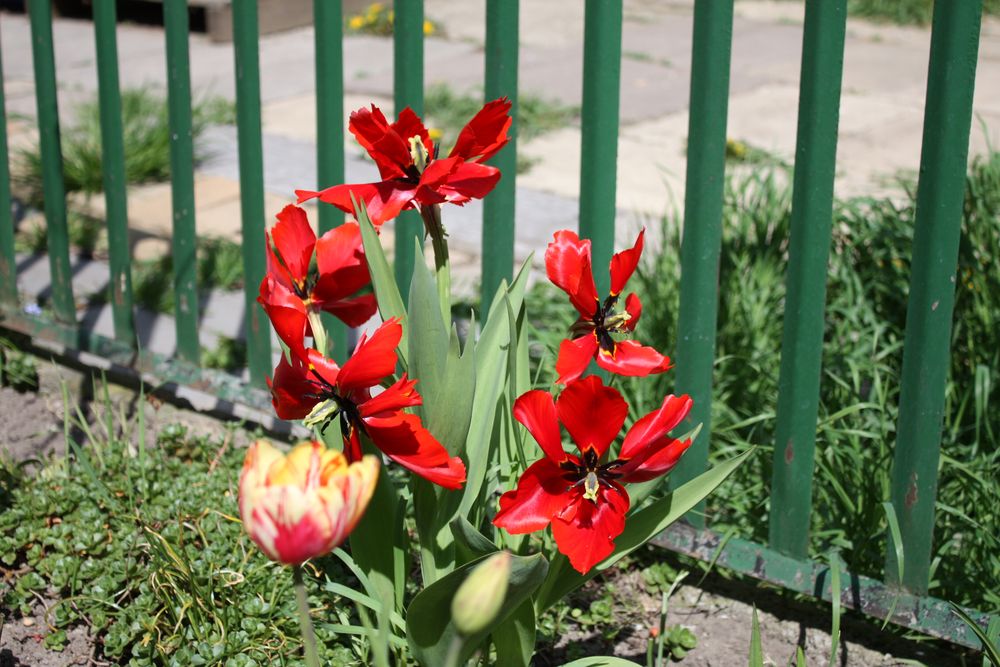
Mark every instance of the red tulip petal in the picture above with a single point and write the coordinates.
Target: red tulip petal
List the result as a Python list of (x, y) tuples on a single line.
[(293, 389), (632, 359), (665, 452), (374, 358), (469, 180), (541, 494), (585, 532), (291, 543), (409, 125), (655, 425), (340, 258), (568, 265), (623, 265), (485, 134), (386, 147), (286, 312), (294, 241), (353, 312), (383, 200), (402, 394), (405, 440), (634, 308), (537, 411), (352, 445), (575, 356), (592, 413)]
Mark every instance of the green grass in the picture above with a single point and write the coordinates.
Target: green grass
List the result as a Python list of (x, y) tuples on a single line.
[(17, 369), (144, 546), (220, 265), (866, 309), (904, 12), (146, 134)]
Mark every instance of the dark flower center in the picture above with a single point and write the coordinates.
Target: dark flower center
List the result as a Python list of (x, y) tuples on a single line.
[(604, 322), (344, 406), (590, 473)]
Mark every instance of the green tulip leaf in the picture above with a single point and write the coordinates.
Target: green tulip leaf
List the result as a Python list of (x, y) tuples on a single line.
[(390, 302), (473, 543), (514, 639), (491, 366)]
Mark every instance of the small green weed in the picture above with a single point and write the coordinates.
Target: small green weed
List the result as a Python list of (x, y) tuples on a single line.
[(229, 354), (904, 12), (17, 369), (658, 577)]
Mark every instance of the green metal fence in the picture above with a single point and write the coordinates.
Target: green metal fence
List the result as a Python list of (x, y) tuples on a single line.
[(953, 57)]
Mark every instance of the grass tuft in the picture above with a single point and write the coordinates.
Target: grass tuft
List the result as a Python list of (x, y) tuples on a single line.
[(146, 133)]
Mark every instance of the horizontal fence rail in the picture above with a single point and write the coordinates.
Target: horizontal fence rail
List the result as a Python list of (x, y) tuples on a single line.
[(785, 560)]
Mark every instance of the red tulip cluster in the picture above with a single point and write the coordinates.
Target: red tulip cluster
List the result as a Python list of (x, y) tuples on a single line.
[(582, 495)]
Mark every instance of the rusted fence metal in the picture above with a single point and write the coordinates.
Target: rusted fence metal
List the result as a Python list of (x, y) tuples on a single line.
[(784, 561)]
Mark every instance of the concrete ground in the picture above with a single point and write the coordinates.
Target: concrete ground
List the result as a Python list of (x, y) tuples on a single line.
[(885, 71)]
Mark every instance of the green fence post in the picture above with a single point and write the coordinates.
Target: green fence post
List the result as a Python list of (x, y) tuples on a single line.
[(113, 168), (328, 19), (53, 187), (8, 261), (602, 65), (251, 151), (499, 206), (408, 87), (808, 255), (940, 194), (184, 242), (706, 164)]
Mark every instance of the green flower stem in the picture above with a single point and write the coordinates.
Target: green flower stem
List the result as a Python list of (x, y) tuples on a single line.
[(454, 652), (442, 267), (318, 330), (308, 634)]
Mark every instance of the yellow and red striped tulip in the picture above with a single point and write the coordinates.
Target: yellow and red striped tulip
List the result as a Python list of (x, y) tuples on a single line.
[(305, 504)]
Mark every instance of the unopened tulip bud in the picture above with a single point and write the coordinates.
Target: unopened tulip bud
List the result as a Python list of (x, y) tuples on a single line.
[(302, 505), (478, 600)]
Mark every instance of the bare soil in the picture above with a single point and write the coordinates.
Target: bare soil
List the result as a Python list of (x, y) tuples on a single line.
[(718, 613)]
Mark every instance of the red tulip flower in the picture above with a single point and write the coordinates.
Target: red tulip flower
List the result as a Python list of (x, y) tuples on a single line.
[(582, 497), (412, 175), (290, 290), (304, 382), (568, 264)]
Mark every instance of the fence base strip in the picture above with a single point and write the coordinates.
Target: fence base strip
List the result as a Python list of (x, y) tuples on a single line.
[(223, 391), (869, 596)]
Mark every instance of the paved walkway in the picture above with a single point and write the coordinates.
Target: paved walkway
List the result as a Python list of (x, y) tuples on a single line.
[(882, 107)]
